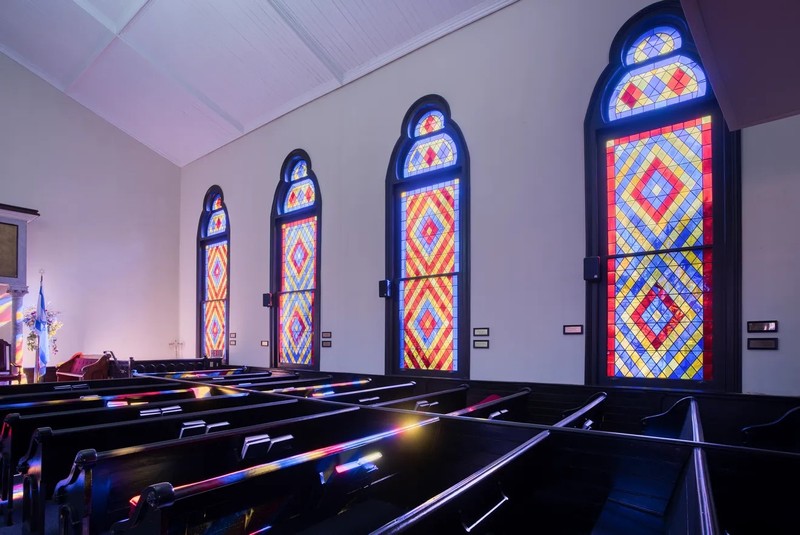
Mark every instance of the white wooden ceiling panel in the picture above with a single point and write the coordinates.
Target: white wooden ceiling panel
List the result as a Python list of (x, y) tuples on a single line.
[(113, 14), (239, 54), (55, 40), (185, 77), (129, 92), (359, 36)]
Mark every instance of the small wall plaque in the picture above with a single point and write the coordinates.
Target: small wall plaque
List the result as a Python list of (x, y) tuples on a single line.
[(326, 334), (480, 331), (573, 329), (233, 342), (762, 343), (480, 344), (264, 343), (327, 343), (232, 335), (768, 326)]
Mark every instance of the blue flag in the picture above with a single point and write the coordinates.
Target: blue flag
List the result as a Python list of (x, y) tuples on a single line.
[(41, 328)]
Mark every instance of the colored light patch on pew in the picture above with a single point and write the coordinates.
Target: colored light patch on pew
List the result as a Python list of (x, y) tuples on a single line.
[(366, 459), (320, 453), (319, 387)]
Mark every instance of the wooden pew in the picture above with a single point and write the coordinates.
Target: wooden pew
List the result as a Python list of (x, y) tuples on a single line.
[(17, 429), (365, 490), (33, 388), (482, 490), (368, 396), (691, 505), (755, 491), (782, 434), (144, 366), (496, 407), (681, 420), (378, 499), (52, 451), (186, 461), (437, 402)]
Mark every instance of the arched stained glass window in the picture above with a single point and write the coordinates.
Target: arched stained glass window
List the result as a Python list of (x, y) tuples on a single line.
[(213, 257), (664, 232), (427, 237), (295, 264)]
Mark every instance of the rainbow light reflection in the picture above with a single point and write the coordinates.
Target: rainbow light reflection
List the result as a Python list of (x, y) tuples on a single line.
[(262, 469), (318, 387), (346, 467)]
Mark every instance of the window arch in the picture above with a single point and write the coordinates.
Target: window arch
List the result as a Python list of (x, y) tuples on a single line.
[(213, 270), (427, 239), (294, 264), (663, 236)]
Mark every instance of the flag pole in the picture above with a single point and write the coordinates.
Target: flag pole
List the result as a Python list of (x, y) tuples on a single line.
[(41, 323)]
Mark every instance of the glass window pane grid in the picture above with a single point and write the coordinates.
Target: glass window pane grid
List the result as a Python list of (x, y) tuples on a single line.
[(659, 186), (299, 254), (659, 313), (429, 324), (434, 152), (300, 170), (657, 85), (216, 269), (296, 327), (214, 328), (430, 230), (300, 195), (659, 304), (217, 223), (655, 42), (429, 123)]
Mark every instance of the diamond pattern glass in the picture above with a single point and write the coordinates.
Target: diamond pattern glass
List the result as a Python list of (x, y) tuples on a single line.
[(657, 85), (429, 323), (295, 329), (300, 195), (653, 43), (659, 303), (435, 152)]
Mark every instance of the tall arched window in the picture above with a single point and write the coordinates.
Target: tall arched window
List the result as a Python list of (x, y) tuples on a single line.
[(427, 242), (213, 269), (663, 235), (295, 264)]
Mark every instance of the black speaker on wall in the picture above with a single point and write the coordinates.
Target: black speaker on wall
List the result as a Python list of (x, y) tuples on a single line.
[(385, 288)]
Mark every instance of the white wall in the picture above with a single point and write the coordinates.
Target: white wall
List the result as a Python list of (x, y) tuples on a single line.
[(771, 253), (518, 83), (107, 236)]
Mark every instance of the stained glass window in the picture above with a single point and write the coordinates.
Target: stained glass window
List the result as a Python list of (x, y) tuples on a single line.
[(426, 182), (662, 194), (295, 223), (660, 198), (214, 258)]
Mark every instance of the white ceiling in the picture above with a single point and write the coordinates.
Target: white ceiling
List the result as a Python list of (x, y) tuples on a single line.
[(185, 77)]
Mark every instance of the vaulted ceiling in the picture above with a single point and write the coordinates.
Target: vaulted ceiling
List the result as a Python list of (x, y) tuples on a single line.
[(185, 77)]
